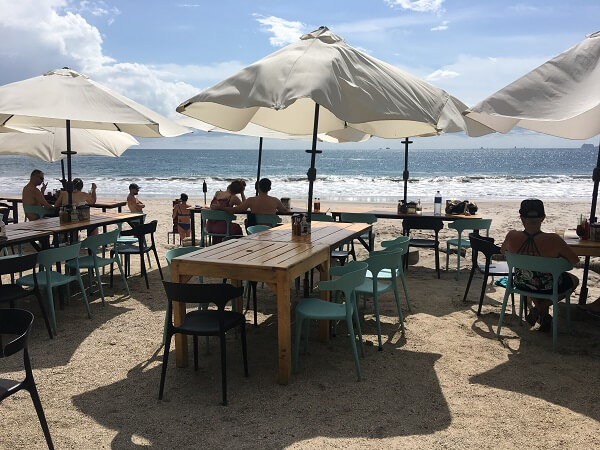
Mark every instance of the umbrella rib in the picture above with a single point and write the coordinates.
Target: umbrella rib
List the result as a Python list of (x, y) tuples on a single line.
[(116, 126), (7, 119)]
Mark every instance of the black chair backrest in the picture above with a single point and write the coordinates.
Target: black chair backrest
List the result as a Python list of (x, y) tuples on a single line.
[(142, 229), (217, 293), (16, 263), (15, 322), (4, 212), (423, 224), (484, 245)]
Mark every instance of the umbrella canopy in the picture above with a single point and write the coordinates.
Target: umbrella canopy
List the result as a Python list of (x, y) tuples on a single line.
[(65, 98), (560, 98), (320, 84), (49, 144)]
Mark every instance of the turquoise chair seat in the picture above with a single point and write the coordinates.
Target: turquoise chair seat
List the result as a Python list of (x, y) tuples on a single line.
[(460, 226), (253, 229), (211, 214), (555, 266), (350, 276), (48, 278)]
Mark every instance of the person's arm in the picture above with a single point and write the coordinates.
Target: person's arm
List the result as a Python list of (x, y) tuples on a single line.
[(506, 245), (131, 203), (139, 203), (235, 201), (564, 251), (92, 196), (280, 208), (39, 197), (242, 207), (175, 211)]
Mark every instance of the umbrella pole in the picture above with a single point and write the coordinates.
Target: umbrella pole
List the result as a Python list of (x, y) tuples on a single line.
[(62, 169), (260, 142), (405, 173), (69, 174), (312, 172), (596, 177)]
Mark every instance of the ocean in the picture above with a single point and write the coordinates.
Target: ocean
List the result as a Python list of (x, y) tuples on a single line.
[(350, 175)]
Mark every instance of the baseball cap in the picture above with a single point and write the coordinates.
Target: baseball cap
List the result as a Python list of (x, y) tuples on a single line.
[(532, 208), (133, 186)]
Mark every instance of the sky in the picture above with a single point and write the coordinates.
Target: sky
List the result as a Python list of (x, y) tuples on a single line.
[(160, 53)]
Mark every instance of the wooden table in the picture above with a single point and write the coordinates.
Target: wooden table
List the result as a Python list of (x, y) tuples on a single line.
[(389, 214), (15, 235), (15, 206)]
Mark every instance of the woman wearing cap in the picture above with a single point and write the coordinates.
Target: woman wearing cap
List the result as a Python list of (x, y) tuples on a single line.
[(79, 196), (533, 241), (182, 214)]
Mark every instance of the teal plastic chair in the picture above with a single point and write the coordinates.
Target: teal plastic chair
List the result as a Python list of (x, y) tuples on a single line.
[(321, 217), (257, 228), (461, 242), (361, 218), (93, 262), (267, 219), (555, 266), (389, 259), (351, 276), (48, 279), (211, 214), (401, 243), (174, 253), (40, 211)]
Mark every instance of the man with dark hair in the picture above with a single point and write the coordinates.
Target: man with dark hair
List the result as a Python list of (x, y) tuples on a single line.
[(533, 241), (135, 205), (263, 203), (32, 196)]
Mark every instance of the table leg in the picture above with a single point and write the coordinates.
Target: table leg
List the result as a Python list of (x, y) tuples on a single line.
[(15, 208), (583, 292), (181, 350), (193, 227), (324, 324), (284, 333), (239, 302)]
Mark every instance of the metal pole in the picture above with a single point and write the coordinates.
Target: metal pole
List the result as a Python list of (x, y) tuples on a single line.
[(260, 142), (596, 177), (405, 173), (69, 174), (312, 172)]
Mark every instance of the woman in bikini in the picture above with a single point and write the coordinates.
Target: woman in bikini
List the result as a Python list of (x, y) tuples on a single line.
[(182, 215), (226, 198), (533, 241)]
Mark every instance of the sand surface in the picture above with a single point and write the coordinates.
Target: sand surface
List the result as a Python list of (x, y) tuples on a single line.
[(450, 383)]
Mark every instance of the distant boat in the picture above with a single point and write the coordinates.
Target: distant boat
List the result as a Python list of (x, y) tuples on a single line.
[(588, 147)]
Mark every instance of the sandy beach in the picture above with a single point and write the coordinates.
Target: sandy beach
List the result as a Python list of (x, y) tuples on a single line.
[(450, 383)]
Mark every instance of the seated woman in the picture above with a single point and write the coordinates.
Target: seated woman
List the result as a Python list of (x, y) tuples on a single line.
[(225, 199), (533, 241), (78, 195), (182, 215)]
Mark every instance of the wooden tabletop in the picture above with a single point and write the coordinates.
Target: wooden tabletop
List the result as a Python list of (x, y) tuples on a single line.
[(197, 208), (14, 235), (53, 225), (109, 204), (12, 198), (331, 234), (581, 247)]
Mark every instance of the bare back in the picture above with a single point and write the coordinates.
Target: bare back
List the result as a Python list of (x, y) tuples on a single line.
[(548, 244), (265, 204)]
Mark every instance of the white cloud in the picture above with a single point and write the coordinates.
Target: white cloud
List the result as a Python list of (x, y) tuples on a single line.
[(48, 34), (418, 5), (441, 74), (442, 27), (284, 31)]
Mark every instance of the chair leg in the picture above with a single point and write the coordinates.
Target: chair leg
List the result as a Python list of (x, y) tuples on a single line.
[(163, 374), (299, 320), (32, 389), (469, 284), (360, 338), (447, 255), (38, 296), (502, 311), (223, 368), (376, 306), (554, 324), (458, 252), (568, 304), (254, 287), (97, 270), (485, 277), (397, 299), (85, 299), (51, 308), (244, 349), (144, 272), (195, 339), (157, 262), (437, 259), (123, 277), (353, 345), (403, 278)]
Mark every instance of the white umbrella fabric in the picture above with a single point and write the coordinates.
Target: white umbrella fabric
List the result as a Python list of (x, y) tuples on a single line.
[(50, 144), (320, 84), (64, 98), (560, 98)]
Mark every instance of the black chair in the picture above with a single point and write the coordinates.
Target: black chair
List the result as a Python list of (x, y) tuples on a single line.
[(140, 231), (207, 322), (424, 223), (18, 322), (5, 210), (12, 292), (486, 246)]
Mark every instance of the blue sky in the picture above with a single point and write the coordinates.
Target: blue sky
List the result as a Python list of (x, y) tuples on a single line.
[(160, 53)]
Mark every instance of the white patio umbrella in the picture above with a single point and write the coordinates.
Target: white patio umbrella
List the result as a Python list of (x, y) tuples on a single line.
[(320, 84), (560, 98), (64, 98)]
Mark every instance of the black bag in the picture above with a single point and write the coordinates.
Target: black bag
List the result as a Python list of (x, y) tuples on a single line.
[(464, 207)]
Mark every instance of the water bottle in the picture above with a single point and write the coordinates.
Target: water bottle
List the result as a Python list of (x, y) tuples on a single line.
[(437, 204)]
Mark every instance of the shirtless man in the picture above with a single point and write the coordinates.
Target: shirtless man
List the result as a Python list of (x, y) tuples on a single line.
[(533, 241), (263, 203), (32, 196), (134, 203)]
